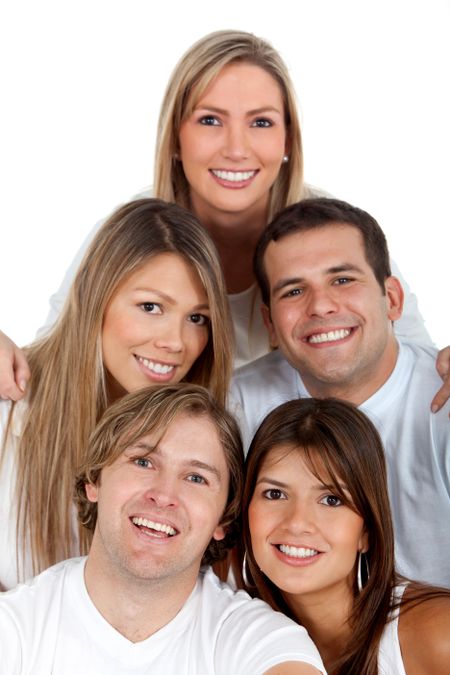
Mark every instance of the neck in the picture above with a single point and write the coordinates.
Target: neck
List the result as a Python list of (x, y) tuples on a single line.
[(235, 236), (136, 607), (357, 389), (325, 616)]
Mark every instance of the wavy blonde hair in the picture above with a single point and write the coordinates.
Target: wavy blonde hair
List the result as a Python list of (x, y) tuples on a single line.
[(192, 75), (68, 391)]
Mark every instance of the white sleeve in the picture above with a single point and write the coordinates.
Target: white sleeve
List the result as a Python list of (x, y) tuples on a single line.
[(261, 639), (10, 645), (411, 326), (58, 299)]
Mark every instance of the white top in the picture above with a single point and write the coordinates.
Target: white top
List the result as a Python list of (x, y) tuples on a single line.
[(251, 337), (50, 625), (9, 573), (390, 661), (417, 444)]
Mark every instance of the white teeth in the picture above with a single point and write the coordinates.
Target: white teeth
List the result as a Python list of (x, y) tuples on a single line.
[(332, 336), (159, 368), (295, 552), (152, 525), (233, 176)]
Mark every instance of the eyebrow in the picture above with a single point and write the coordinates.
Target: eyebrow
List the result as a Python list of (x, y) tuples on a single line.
[(337, 269), (249, 113), (166, 297), (194, 463), (317, 487)]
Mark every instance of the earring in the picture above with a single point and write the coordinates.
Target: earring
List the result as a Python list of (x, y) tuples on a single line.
[(176, 156), (244, 572), (363, 571), (285, 159)]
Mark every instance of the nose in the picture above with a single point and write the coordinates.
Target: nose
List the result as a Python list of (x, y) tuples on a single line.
[(299, 519), (169, 335), (162, 492), (321, 302), (236, 145)]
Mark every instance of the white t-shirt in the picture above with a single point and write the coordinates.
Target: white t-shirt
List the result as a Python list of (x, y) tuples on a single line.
[(50, 625), (390, 661), (250, 333), (417, 444)]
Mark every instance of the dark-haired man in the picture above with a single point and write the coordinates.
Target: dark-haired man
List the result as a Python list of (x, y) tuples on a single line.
[(161, 490), (330, 303)]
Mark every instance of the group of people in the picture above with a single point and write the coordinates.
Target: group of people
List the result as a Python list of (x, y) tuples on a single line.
[(119, 496)]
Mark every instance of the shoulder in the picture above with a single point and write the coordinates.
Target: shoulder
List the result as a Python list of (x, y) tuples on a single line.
[(424, 634), (313, 192), (248, 635), (270, 370)]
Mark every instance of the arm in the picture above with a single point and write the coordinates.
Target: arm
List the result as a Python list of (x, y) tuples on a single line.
[(424, 634), (293, 668), (411, 328)]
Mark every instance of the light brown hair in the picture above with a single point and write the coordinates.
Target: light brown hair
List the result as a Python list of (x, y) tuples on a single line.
[(190, 78), (68, 392), (152, 410)]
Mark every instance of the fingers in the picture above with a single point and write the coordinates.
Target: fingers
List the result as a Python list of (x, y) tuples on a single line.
[(14, 370), (443, 368)]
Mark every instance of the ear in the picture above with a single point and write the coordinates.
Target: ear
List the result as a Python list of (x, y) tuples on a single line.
[(91, 492), (265, 311), (363, 544), (219, 533), (394, 298)]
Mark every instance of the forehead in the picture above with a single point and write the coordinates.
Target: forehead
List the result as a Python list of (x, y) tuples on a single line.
[(317, 249), (189, 436), (254, 85), (296, 464)]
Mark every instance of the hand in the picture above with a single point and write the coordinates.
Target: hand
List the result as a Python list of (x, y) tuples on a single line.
[(443, 368), (14, 371)]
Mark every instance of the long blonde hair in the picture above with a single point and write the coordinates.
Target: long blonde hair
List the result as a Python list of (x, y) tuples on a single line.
[(192, 75), (68, 392)]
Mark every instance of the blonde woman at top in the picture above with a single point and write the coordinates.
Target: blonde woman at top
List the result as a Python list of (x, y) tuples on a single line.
[(229, 149), (148, 306)]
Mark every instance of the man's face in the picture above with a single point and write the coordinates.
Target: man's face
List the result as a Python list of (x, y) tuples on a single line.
[(160, 503), (328, 314)]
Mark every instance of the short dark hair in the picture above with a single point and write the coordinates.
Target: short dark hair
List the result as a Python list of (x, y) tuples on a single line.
[(153, 409), (310, 214)]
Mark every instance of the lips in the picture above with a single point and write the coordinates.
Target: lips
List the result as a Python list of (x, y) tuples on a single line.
[(154, 528), (233, 176), (328, 336)]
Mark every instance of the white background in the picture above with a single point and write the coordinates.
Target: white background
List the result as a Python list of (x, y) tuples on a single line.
[(81, 83)]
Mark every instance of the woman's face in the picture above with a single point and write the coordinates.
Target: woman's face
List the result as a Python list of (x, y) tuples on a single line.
[(303, 537), (233, 143), (156, 325)]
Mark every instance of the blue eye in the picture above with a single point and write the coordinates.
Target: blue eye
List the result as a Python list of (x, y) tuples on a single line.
[(143, 462), (209, 120), (262, 122), (196, 478)]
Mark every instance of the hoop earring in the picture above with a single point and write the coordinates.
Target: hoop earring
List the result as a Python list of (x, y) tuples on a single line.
[(363, 571), (285, 159), (244, 572)]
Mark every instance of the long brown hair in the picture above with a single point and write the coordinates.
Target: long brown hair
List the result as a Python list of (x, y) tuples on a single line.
[(194, 72), (68, 391), (335, 436)]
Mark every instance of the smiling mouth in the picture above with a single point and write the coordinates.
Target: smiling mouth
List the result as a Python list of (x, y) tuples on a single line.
[(155, 366), (233, 176), (330, 336), (294, 552), (153, 528)]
